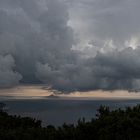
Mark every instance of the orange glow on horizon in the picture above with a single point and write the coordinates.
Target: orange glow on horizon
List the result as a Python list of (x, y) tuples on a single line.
[(38, 91)]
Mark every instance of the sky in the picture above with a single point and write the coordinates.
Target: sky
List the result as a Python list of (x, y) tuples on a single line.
[(37, 92), (70, 45)]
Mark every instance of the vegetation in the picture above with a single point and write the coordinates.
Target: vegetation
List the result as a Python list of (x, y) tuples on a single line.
[(119, 124)]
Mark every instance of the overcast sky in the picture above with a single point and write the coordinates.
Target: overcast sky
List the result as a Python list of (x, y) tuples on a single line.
[(70, 45)]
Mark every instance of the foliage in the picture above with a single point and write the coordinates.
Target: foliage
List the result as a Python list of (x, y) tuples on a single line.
[(119, 124)]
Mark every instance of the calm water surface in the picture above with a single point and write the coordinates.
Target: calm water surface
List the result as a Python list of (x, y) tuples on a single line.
[(56, 112)]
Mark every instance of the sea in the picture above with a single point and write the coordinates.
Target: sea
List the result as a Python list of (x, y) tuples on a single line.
[(59, 111)]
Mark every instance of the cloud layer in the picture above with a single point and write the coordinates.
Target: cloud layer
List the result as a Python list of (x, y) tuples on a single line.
[(46, 41)]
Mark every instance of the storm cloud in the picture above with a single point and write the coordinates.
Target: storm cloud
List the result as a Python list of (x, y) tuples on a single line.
[(46, 41), (8, 77), (35, 32)]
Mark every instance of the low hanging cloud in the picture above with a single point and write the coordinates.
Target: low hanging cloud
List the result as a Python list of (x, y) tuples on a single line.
[(36, 45), (117, 69), (107, 71)]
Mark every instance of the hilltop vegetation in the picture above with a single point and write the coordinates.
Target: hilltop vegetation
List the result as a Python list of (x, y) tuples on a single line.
[(119, 124)]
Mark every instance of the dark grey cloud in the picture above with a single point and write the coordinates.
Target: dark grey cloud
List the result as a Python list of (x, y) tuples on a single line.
[(38, 44), (8, 77), (35, 32), (107, 71), (117, 69)]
